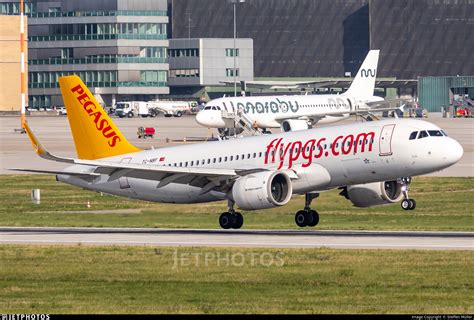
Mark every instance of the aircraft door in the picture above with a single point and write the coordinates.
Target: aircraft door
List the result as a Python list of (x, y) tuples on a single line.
[(123, 181), (385, 142)]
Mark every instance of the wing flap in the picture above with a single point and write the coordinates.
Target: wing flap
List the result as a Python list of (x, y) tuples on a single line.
[(70, 173)]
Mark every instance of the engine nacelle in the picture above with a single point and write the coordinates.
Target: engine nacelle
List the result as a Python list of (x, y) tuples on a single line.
[(294, 125), (262, 190), (374, 194)]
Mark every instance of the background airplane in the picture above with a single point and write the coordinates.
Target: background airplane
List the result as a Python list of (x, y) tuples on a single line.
[(371, 162), (292, 113)]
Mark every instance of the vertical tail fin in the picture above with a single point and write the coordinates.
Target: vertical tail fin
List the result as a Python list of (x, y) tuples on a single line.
[(364, 82), (95, 135)]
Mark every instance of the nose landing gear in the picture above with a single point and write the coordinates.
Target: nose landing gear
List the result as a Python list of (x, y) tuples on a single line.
[(407, 203), (307, 217)]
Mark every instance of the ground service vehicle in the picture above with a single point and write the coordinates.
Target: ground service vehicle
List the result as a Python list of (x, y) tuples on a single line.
[(131, 109)]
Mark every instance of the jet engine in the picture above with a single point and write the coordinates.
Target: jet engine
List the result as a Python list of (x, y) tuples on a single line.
[(294, 125), (262, 190), (373, 194)]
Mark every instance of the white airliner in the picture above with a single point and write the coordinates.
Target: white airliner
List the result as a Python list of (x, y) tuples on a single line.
[(298, 112), (372, 162)]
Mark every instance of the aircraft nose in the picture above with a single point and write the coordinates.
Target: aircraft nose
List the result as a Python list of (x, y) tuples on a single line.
[(203, 119), (454, 151)]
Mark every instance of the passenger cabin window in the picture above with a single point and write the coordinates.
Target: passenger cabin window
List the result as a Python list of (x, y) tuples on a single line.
[(423, 134), (413, 135)]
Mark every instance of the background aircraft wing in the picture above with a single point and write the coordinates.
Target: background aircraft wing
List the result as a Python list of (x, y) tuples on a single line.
[(339, 113)]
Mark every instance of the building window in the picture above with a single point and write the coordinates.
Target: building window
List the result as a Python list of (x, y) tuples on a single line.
[(231, 52), (153, 52), (229, 72), (177, 53), (67, 53), (183, 73), (153, 76)]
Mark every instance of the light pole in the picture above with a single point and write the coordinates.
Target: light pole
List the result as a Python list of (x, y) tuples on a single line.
[(234, 2)]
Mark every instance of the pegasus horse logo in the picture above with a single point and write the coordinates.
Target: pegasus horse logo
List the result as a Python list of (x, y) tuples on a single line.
[(366, 73)]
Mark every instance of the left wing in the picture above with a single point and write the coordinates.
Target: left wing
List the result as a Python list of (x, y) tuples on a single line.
[(206, 178)]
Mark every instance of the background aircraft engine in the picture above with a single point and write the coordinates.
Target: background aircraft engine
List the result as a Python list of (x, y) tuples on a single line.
[(262, 190), (294, 125), (373, 194)]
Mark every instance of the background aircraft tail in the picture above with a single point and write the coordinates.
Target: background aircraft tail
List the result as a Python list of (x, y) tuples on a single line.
[(363, 84), (95, 134)]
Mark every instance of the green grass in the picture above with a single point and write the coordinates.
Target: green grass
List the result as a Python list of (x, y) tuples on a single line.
[(78, 279), (442, 204)]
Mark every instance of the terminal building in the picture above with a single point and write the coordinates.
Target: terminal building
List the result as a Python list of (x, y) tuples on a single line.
[(198, 63), (118, 47)]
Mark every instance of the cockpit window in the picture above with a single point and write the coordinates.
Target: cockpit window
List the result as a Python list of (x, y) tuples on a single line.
[(435, 133), (207, 108), (214, 108), (423, 134), (413, 135)]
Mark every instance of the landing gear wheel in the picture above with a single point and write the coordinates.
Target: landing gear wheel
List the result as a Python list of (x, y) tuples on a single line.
[(408, 204), (238, 221), (301, 219), (314, 218), (225, 220)]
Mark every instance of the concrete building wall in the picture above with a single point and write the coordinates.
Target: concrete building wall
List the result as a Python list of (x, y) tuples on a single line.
[(10, 74), (213, 61)]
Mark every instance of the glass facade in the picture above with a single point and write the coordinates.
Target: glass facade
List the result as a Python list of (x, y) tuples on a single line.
[(98, 59), (91, 78), (111, 13), (153, 76), (100, 31), (13, 8), (45, 80), (39, 101)]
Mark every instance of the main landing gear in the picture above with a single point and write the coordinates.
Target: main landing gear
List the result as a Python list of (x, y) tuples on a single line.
[(407, 203), (307, 217), (231, 218)]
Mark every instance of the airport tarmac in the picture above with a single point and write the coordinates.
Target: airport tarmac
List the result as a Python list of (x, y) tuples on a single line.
[(421, 240), (54, 134)]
